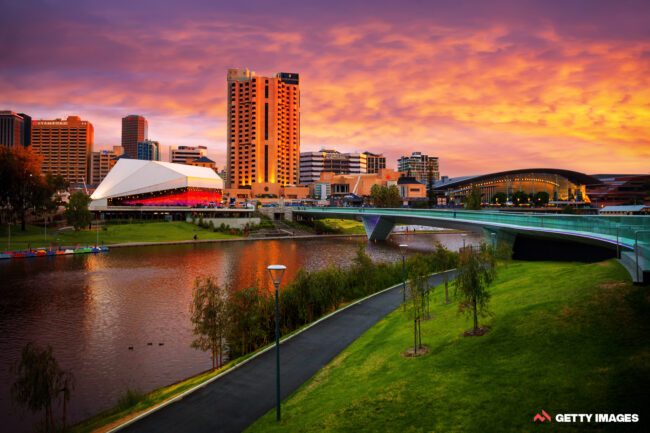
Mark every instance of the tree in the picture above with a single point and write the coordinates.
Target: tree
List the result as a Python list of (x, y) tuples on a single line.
[(243, 313), (22, 186), (541, 198), (40, 382), (385, 196), (500, 198), (475, 272), (444, 261), (519, 198), (473, 199), (209, 316), (418, 291), (77, 213)]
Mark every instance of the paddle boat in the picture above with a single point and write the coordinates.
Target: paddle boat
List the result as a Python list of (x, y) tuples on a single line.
[(5, 255)]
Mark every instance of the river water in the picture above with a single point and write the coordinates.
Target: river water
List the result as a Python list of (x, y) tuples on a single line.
[(91, 308)]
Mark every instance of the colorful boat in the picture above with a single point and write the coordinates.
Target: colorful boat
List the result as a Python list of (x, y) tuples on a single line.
[(68, 251), (30, 254), (50, 253), (40, 252), (5, 255), (103, 248), (60, 252), (18, 254)]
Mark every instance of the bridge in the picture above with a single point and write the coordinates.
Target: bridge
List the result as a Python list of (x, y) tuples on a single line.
[(624, 236)]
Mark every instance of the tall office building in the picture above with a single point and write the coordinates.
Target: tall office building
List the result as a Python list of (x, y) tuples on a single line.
[(15, 129), (101, 163), (417, 165), (374, 162), (180, 154), (312, 164), (263, 128), (134, 130), (149, 150), (65, 145)]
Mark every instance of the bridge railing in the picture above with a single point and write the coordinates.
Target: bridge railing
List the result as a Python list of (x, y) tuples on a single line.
[(612, 227)]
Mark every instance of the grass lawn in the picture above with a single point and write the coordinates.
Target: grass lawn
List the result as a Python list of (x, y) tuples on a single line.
[(566, 338), (114, 234), (345, 226)]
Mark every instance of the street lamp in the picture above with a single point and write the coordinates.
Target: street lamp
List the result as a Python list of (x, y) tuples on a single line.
[(276, 272), (402, 250)]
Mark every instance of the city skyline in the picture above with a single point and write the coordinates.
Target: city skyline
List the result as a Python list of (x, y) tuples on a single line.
[(485, 87)]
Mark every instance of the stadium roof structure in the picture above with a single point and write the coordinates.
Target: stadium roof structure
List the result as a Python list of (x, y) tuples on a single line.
[(135, 176), (573, 176)]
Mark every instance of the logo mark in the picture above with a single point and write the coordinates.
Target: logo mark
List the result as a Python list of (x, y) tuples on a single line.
[(541, 418)]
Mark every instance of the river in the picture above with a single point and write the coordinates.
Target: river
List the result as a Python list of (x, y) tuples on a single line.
[(91, 308)]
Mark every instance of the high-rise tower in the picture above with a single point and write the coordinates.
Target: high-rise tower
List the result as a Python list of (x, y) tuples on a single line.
[(66, 146), (134, 130), (263, 128)]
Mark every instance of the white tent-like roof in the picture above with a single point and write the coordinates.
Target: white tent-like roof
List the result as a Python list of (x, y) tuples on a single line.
[(134, 176)]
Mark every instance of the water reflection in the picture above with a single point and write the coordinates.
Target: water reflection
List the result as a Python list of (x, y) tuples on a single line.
[(91, 308)]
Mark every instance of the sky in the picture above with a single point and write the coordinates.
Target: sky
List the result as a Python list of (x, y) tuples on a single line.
[(484, 85)]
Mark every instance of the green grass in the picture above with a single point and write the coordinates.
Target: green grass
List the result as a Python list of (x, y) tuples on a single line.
[(114, 234), (345, 226), (566, 338)]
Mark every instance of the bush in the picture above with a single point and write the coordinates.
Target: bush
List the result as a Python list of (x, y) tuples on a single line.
[(130, 398)]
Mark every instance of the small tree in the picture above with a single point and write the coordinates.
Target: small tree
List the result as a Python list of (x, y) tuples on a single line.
[(475, 272), (500, 198), (444, 261), (77, 213), (209, 316), (40, 382), (519, 198), (473, 199), (418, 291)]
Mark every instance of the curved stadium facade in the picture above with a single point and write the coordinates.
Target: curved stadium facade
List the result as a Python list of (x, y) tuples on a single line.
[(562, 186)]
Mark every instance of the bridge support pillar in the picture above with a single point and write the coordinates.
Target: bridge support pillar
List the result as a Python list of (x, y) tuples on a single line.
[(378, 228), (499, 236)]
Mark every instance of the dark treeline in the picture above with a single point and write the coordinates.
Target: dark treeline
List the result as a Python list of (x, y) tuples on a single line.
[(251, 311)]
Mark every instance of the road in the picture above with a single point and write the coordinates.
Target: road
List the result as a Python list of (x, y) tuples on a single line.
[(238, 399)]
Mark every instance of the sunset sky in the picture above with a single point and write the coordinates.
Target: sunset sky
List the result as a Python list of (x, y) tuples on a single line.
[(484, 85)]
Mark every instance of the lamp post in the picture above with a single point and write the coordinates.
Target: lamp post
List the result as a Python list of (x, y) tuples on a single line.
[(276, 272), (402, 250)]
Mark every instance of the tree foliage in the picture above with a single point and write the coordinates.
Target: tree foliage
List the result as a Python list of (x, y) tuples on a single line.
[(519, 198), (475, 272), (40, 383), (22, 185), (541, 198), (385, 196), (77, 213), (499, 198), (473, 200), (209, 317)]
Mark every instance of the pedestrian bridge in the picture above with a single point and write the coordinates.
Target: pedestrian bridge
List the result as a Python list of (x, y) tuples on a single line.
[(627, 236)]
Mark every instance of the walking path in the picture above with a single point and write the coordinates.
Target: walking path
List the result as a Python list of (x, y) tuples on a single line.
[(235, 400)]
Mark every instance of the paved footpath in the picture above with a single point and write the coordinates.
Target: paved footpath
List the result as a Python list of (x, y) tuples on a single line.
[(236, 400)]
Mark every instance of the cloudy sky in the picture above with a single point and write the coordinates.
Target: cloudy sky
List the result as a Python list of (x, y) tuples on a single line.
[(484, 85)]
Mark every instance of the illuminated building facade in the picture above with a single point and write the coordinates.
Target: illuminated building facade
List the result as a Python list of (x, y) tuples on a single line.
[(374, 162), (562, 186), (135, 182), (617, 190), (180, 154), (312, 164), (101, 163), (149, 150), (134, 130), (418, 165), (15, 129), (66, 146), (263, 129)]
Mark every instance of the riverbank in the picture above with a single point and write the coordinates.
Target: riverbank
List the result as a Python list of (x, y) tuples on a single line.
[(158, 234), (565, 337)]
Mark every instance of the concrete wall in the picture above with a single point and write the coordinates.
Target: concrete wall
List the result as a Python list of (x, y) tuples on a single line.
[(235, 223), (274, 213)]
